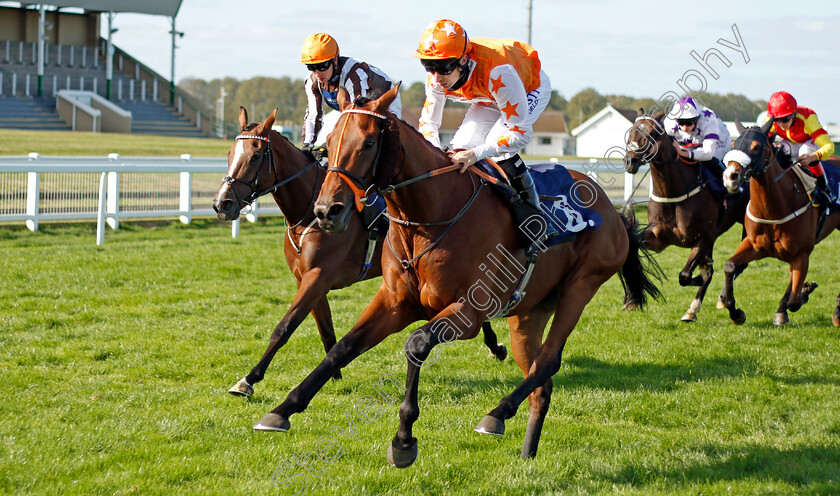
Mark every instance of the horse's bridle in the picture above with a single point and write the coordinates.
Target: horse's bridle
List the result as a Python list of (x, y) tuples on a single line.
[(253, 185), (633, 146), (359, 185)]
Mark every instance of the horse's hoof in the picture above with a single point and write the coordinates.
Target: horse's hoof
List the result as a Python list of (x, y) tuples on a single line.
[(337, 375), (630, 306), (719, 305), (242, 388), (781, 318), (500, 353), (490, 425), (273, 423), (689, 317), (738, 316), (401, 458)]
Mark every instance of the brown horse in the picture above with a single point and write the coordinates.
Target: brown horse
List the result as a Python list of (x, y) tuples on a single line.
[(683, 211), (263, 161), (452, 252), (780, 222)]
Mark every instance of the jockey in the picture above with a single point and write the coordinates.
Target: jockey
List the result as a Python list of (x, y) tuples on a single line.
[(331, 72), (507, 90), (699, 134), (803, 135)]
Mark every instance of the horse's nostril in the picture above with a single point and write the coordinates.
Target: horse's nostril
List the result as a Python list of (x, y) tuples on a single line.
[(335, 210), (320, 212)]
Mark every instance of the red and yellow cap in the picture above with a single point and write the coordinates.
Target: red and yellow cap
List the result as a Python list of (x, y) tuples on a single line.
[(781, 104)]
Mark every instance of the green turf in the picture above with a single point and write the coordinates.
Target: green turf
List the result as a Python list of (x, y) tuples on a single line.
[(21, 142), (117, 359)]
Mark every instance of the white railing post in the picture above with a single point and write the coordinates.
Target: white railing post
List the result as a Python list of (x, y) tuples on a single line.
[(253, 215), (113, 204), (234, 228), (100, 210), (33, 197), (186, 197), (628, 185)]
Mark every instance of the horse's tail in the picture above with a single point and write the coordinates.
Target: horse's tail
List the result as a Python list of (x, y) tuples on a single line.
[(640, 269)]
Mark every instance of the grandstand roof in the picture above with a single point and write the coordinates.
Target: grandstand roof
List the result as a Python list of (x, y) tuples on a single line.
[(167, 8)]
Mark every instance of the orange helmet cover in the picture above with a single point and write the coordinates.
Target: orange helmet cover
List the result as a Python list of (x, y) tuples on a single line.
[(443, 39), (318, 48)]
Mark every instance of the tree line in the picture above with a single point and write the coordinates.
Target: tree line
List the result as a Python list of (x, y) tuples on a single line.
[(260, 95)]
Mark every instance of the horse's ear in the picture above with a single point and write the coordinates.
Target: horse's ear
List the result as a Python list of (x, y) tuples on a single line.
[(243, 117), (265, 126), (765, 129), (640, 112), (384, 101), (740, 127), (343, 98), (659, 116)]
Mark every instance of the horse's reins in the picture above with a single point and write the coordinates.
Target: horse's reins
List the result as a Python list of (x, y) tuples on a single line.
[(254, 184), (788, 217), (356, 183)]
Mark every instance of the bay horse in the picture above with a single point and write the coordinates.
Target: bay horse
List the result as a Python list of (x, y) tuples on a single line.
[(452, 247), (263, 161), (683, 211), (780, 221)]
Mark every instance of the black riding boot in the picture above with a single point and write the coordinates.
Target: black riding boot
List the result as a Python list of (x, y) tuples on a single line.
[(526, 205), (715, 167), (820, 196)]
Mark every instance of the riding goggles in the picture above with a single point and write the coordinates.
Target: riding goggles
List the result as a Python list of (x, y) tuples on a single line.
[(320, 67), (687, 122), (443, 67), (785, 119)]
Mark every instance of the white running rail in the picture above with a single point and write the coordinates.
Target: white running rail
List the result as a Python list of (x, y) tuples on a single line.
[(35, 188)]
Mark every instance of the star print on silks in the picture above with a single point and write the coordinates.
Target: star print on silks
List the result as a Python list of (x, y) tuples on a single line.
[(510, 110), (496, 84), (519, 130), (427, 104), (503, 141)]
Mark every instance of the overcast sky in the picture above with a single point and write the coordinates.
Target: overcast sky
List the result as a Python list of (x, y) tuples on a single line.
[(636, 48)]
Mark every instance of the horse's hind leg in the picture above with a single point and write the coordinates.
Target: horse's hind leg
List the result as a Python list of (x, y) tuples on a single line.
[(496, 348), (323, 319), (781, 317), (573, 298), (310, 291), (526, 338)]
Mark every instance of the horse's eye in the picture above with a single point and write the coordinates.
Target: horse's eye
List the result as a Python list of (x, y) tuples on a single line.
[(255, 157), (369, 143)]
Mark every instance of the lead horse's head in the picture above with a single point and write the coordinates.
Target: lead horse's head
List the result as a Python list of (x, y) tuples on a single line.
[(363, 150), (750, 155)]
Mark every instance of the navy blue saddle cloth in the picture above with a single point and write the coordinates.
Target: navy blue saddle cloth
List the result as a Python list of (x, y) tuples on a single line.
[(560, 200)]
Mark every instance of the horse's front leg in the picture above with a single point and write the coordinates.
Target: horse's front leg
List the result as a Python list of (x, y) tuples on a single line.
[(743, 255), (312, 288), (700, 259), (383, 316), (781, 317), (453, 323), (800, 290)]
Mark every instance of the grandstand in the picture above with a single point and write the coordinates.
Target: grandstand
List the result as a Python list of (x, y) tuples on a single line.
[(70, 88)]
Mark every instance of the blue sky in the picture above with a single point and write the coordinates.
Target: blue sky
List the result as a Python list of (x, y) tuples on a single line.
[(640, 48)]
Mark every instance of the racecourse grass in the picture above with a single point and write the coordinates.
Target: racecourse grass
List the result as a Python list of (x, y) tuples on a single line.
[(116, 361), (68, 143)]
